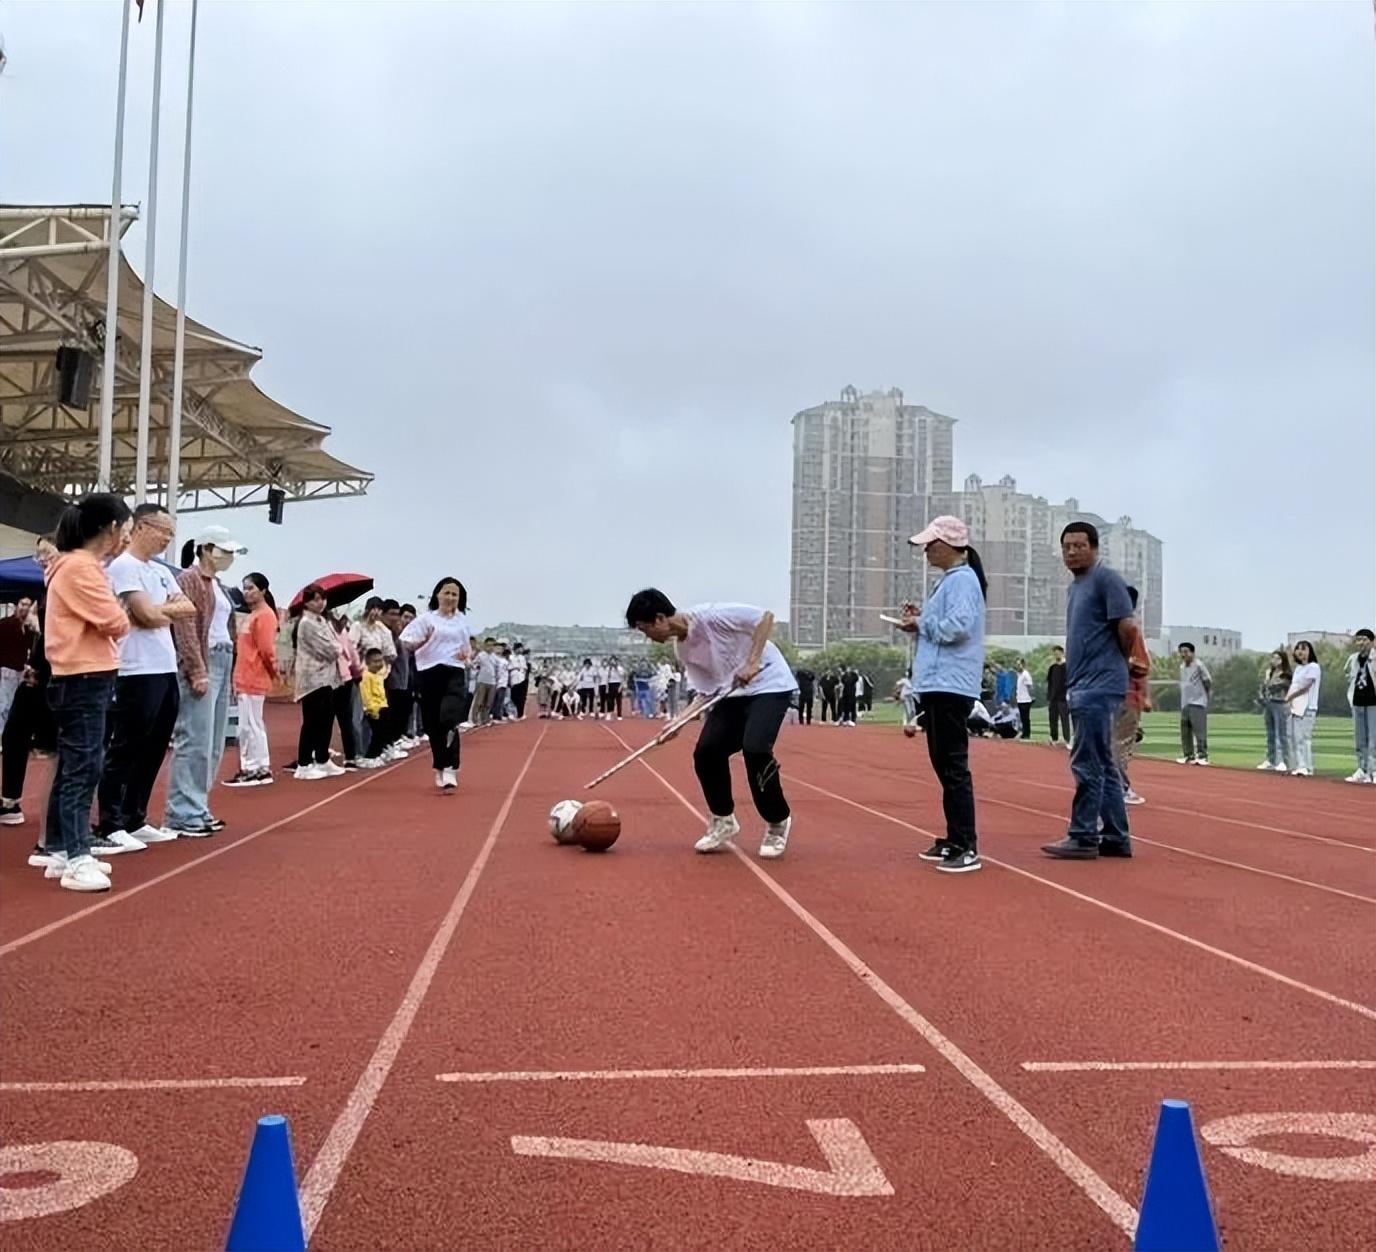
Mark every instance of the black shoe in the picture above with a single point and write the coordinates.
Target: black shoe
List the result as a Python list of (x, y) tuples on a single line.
[(937, 852), (1072, 850), (1121, 849), (215, 825), (193, 830), (959, 861)]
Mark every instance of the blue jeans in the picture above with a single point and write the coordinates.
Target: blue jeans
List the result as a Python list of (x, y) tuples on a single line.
[(79, 703), (1098, 785), (1364, 734), (1279, 750), (198, 742)]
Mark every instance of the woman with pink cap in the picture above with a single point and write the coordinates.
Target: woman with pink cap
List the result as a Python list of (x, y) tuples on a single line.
[(946, 673)]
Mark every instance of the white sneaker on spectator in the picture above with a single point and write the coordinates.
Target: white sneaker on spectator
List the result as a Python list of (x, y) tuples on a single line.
[(155, 834), (83, 873), (1131, 797), (1361, 776), (372, 762), (57, 864), (331, 770), (448, 779), (310, 773), (131, 843)]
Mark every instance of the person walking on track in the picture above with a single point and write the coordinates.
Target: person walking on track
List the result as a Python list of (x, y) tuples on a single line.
[(726, 648), (946, 675), (1100, 632), (439, 638)]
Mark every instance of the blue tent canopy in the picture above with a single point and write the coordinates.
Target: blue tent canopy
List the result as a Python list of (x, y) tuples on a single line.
[(20, 576)]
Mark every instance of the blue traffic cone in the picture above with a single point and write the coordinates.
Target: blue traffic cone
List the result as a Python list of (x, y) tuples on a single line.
[(1177, 1211), (268, 1216)]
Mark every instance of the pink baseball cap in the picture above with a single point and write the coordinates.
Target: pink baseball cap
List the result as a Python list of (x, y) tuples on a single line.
[(946, 528)]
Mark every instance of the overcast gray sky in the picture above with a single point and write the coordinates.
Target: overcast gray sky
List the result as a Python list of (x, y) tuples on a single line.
[(561, 274)]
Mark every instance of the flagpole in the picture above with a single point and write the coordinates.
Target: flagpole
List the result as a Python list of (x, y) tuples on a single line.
[(174, 435), (146, 327), (107, 377)]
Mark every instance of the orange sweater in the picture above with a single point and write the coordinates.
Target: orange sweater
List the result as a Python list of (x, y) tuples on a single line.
[(84, 620), (255, 666)]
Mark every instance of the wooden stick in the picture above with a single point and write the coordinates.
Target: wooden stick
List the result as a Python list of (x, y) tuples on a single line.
[(664, 735)]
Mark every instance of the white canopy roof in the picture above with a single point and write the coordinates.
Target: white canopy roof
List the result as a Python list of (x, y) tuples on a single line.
[(236, 440)]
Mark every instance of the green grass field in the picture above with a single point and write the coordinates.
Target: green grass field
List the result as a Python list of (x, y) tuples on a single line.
[(1235, 739)]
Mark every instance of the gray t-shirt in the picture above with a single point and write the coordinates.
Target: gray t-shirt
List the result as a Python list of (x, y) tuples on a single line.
[(1192, 688), (1095, 665)]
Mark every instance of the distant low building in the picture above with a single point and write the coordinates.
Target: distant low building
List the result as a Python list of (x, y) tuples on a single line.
[(1338, 638), (1213, 643)]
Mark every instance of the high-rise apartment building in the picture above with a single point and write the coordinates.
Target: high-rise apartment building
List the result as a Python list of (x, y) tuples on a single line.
[(1018, 538), (868, 471)]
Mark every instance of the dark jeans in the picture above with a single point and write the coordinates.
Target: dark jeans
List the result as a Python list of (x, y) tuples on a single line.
[(398, 713), (828, 705), (522, 689), (343, 699), (141, 720), (79, 703), (442, 689), (1059, 712), (805, 701), (317, 721), (1098, 785), (748, 725), (1025, 717), (614, 698), (848, 711), (26, 714), (948, 746)]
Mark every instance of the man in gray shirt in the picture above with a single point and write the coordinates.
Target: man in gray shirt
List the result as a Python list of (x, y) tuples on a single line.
[(1195, 684)]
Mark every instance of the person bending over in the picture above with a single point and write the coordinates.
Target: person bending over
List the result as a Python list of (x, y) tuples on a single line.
[(726, 648)]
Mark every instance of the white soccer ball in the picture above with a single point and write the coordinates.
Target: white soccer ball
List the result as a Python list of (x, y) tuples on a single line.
[(561, 820)]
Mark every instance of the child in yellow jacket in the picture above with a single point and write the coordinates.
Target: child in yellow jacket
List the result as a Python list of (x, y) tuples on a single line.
[(373, 692)]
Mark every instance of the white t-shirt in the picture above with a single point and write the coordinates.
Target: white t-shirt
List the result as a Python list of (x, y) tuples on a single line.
[(1308, 701), (716, 649), (587, 678), (503, 671), (487, 668), (438, 640), (145, 649), (520, 668), (615, 675), (219, 619), (1024, 686)]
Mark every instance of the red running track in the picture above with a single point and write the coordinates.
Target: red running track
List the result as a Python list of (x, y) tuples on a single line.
[(485, 1040)]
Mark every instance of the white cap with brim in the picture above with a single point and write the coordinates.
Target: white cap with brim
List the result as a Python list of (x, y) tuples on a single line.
[(219, 537)]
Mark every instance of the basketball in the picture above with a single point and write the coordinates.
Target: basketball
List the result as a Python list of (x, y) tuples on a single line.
[(561, 818), (596, 826)]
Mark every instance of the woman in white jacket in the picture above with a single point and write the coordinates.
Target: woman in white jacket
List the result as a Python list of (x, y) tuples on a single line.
[(1303, 699)]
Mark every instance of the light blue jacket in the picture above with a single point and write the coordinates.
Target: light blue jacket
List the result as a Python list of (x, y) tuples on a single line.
[(950, 636)]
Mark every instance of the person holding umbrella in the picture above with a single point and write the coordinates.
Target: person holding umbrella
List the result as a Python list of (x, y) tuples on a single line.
[(439, 637)]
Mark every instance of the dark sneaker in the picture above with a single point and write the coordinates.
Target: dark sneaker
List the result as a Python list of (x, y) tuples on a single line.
[(1122, 850), (11, 814), (959, 861), (1071, 850), (192, 830), (214, 824), (241, 779), (937, 852)]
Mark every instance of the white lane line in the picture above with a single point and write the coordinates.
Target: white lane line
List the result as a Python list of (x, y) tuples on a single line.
[(153, 1084), (1199, 856), (1222, 954), (1077, 1067), (119, 895), (614, 1075), (329, 1162), (1118, 1210), (1212, 817)]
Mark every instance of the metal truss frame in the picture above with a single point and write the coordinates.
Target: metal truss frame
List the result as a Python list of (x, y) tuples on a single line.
[(55, 448)]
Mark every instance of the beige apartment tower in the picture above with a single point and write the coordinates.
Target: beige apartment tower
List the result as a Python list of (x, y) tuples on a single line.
[(868, 471)]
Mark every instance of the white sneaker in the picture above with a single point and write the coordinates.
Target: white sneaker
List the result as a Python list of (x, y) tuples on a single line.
[(448, 779), (1361, 776), (1300, 773), (54, 864), (1266, 765), (84, 874), (775, 841), (721, 831), (1131, 797), (155, 834), (331, 770), (372, 762), (1184, 760), (310, 773), (439, 778), (126, 841)]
